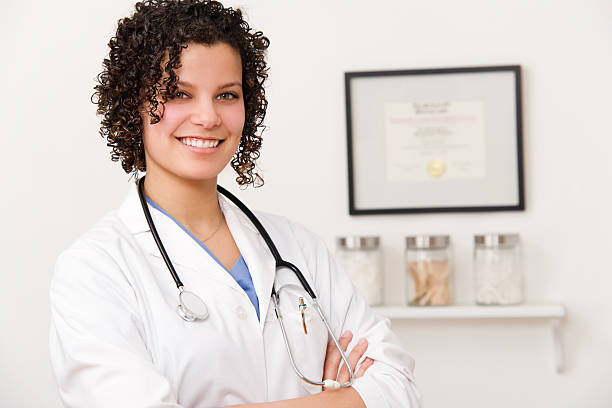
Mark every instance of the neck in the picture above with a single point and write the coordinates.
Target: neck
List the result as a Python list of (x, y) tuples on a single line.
[(193, 203)]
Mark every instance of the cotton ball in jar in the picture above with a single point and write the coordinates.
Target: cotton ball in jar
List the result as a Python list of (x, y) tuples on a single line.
[(361, 258)]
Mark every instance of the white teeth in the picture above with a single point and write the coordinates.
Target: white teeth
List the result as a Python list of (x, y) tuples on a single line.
[(192, 141)]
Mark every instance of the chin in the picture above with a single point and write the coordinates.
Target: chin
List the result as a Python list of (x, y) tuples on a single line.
[(199, 174)]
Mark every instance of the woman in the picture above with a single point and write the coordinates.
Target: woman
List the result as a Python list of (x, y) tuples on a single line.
[(181, 95)]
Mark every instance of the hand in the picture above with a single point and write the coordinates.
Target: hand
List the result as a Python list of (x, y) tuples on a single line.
[(333, 359)]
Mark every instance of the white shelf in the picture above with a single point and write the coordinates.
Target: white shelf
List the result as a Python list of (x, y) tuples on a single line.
[(527, 311), (551, 312)]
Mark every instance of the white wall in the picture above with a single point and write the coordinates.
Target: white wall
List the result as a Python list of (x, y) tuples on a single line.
[(58, 180)]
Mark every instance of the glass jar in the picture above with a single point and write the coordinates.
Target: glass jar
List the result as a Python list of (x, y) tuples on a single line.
[(428, 269), (362, 259), (498, 277)]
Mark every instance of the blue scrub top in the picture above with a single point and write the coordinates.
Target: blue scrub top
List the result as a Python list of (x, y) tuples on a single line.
[(240, 270)]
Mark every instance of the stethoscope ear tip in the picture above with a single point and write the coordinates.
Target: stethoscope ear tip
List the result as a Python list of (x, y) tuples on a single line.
[(331, 384)]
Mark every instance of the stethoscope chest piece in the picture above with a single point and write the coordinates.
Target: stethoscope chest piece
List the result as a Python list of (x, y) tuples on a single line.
[(191, 307)]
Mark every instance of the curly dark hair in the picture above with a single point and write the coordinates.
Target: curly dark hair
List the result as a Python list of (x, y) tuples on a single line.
[(132, 76)]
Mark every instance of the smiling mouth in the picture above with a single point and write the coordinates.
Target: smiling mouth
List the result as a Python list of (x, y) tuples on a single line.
[(196, 142)]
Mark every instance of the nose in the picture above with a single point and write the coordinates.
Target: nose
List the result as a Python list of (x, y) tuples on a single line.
[(205, 114)]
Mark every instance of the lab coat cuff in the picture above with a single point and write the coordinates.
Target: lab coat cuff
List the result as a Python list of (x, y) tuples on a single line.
[(369, 392)]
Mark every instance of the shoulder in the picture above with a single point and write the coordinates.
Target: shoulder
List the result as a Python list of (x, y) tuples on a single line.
[(95, 258), (102, 238), (300, 246), (288, 230)]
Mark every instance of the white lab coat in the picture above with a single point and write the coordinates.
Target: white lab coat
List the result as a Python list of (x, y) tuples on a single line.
[(116, 339)]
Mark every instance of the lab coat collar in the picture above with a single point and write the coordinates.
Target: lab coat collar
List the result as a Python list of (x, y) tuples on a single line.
[(131, 213), (255, 252), (183, 250)]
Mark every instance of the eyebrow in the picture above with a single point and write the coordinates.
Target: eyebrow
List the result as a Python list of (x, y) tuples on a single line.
[(190, 85), (229, 85)]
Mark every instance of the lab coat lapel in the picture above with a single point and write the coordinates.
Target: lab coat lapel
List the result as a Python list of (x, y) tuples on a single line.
[(182, 249), (255, 252)]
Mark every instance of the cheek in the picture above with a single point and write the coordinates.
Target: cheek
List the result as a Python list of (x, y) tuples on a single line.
[(156, 137), (234, 119), (173, 117)]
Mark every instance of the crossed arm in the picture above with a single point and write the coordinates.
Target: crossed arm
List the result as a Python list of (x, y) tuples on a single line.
[(95, 334), (341, 398)]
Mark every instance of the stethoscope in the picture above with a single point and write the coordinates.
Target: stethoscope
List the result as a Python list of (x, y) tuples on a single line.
[(192, 308)]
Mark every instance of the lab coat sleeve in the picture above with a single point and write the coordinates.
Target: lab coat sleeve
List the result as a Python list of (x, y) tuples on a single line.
[(389, 382), (96, 337)]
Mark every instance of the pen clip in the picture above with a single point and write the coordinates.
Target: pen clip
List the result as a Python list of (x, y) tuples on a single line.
[(302, 306)]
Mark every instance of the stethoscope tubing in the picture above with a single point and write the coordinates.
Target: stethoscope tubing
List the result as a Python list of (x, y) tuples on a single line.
[(156, 237), (280, 263)]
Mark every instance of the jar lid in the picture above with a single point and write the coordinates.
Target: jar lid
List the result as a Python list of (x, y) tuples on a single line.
[(356, 242), (427, 241), (495, 240)]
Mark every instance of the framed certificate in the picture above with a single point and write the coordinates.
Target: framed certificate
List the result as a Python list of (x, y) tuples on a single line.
[(434, 140)]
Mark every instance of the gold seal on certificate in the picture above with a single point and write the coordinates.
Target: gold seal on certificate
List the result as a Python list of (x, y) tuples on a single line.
[(434, 140), (436, 168)]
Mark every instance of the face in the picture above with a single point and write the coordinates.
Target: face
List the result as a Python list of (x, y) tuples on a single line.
[(202, 125)]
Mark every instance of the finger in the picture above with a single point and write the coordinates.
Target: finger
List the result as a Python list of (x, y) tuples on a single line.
[(333, 357), (363, 367), (353, 358)]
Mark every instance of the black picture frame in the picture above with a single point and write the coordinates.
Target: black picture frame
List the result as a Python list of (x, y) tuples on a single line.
[(452, 81)]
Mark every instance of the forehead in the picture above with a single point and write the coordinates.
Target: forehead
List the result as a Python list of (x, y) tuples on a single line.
[(202, 62)]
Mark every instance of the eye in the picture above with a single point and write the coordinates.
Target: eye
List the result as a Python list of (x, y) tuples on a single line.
[(180, 95), (227, 96)]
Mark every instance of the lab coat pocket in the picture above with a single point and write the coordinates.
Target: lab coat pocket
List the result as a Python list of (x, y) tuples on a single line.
[(306, 333)]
